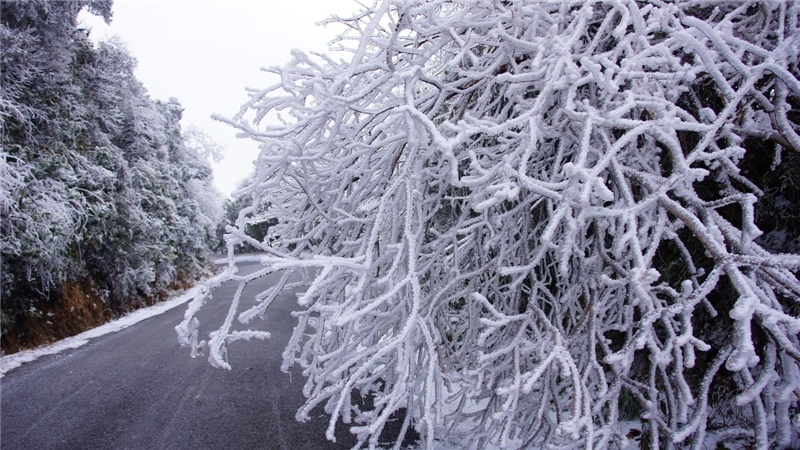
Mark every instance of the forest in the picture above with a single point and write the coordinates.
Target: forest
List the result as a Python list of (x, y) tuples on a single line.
[(105, 203)]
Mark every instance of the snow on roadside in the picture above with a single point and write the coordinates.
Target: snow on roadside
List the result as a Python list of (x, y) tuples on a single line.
[(249, 257), (15, 360)]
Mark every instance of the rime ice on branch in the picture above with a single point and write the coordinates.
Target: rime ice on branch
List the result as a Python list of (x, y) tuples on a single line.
[(538, 211)]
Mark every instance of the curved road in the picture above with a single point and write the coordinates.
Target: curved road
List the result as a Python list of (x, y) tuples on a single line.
[(138, 389)]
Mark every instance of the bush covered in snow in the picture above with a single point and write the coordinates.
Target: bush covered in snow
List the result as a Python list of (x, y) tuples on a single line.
[(527, 221)]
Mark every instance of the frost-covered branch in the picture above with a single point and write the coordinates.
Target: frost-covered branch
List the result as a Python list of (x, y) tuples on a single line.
[(537, 211)]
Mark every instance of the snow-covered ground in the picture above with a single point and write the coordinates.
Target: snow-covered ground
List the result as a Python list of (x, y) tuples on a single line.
[(249, 257)]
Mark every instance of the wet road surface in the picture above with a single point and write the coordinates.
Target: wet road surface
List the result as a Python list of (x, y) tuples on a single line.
[(138, 389)]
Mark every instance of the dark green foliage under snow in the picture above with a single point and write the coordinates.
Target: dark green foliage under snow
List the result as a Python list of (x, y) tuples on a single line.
[(102, 201)]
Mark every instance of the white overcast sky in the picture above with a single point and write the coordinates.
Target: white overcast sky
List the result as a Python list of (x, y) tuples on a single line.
[(205, 52)]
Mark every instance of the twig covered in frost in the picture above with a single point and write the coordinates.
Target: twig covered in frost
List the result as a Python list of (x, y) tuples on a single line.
[(542, 200)]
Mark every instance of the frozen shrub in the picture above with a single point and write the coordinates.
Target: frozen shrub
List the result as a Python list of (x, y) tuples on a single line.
[(537, 212)]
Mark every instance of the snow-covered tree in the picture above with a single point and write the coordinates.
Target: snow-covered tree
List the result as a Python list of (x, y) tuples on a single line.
[(524, 222), (99, 188), (43, 135)]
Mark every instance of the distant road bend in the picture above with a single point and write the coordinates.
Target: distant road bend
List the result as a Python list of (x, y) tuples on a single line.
[(138, 389)]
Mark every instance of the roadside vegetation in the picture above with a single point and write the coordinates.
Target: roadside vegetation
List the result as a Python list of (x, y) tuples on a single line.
[(105, 205), (534, 223)]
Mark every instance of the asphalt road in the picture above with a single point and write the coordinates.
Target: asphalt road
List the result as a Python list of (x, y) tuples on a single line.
[(138, 389)]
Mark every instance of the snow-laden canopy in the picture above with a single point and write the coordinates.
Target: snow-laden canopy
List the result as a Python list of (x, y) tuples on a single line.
[(102, 204)]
